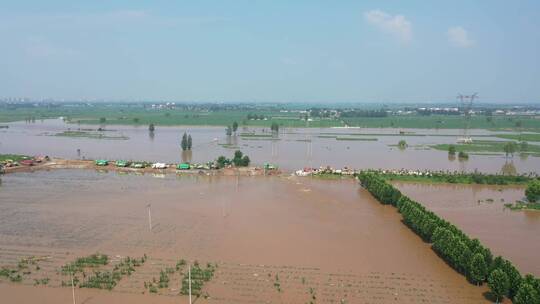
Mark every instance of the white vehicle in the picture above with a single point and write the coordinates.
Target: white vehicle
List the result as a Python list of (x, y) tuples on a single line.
[(465, 140), (159, 166)]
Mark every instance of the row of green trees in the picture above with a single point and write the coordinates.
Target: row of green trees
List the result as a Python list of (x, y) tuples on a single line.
[(229, 130), (467, 256), (455, 177), (238, 160), (186, 142)]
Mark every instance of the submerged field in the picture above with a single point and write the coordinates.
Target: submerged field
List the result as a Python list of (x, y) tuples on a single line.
[(282, 240), (290, 150), (480, 212)]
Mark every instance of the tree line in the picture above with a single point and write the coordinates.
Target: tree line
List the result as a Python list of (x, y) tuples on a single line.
[(364, 113), (456, 177), (467, 256)]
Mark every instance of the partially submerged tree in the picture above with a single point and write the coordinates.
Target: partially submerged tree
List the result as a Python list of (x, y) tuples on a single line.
[(452, 150), (234, 127), (184, 142), (509, 148), (189, 142), (402, 144), (240, 160), (274, 127), (151, 127), (228, 131)]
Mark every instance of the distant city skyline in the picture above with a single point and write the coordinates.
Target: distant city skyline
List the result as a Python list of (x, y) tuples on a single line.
[(271, 51)]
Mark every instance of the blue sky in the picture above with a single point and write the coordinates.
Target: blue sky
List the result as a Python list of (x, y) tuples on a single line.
[(283, 51)]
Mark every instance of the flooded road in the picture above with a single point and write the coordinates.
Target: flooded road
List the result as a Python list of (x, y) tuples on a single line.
[(479, 211), (292, 150), (325, 237)]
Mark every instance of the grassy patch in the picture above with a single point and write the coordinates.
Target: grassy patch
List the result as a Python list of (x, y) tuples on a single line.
[(485, 146), (445, 122), (13, 157), (93, 135), (521, 137), (356, 138), (519, 205)]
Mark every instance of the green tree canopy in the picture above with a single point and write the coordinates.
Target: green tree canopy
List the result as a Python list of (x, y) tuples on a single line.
[(184, 142), (533, 191), (526, 295), (499, 284), (509, 148), (478, 268)]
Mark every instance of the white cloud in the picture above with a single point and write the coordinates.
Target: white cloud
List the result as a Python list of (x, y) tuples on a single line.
[(396, 25), (41, 48), (459, 37)]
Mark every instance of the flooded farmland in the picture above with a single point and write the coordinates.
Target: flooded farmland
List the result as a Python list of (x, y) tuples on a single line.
[(479, 211), (308, 237), (292, 150)]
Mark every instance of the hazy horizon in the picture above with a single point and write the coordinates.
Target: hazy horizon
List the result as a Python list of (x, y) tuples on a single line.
[(311, 52)]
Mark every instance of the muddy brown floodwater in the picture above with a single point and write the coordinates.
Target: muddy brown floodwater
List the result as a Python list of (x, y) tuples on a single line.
[(479, 211), (330, 239), (294, 149)]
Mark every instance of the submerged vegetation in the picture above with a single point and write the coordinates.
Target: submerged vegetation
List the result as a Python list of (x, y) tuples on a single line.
[(98, 278), (467, 256), (24, 268), (199, 276)]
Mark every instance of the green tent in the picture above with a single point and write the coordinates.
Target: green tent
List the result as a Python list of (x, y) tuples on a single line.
[(102, 162), (122, 163), (183, 166), (137, 165)]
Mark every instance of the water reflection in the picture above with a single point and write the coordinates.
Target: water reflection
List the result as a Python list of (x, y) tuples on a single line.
[(508, 168), (187, 156)]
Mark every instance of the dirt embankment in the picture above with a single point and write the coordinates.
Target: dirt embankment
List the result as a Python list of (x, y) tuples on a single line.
[(59, 163)]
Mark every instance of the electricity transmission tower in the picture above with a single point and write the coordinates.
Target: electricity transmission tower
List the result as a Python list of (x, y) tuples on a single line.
[(466, 102)]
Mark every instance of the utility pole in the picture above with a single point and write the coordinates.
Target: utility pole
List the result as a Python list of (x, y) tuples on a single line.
[(189, 280), (149, 217), (72, 287)]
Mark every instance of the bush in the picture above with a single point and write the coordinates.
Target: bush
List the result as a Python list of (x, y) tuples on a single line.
[(533, 191)]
